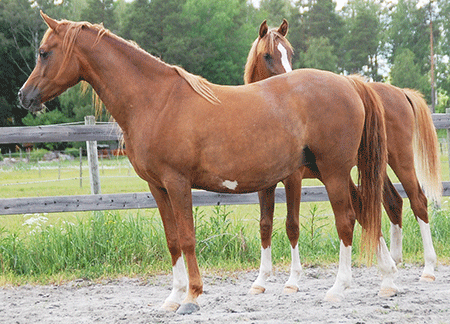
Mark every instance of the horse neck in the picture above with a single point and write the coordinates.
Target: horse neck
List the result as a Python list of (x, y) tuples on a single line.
[(126, 78)]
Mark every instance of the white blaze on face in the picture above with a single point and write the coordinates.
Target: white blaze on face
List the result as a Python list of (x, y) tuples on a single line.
[(284, 58), (230, 184)]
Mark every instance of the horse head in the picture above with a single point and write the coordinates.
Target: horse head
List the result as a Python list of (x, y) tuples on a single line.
[(55, 70), (271, 53)]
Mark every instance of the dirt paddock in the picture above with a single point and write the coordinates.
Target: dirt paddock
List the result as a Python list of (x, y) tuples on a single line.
[(225, 300)]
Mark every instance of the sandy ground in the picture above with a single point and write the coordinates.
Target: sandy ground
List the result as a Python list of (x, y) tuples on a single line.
[(225, 300)]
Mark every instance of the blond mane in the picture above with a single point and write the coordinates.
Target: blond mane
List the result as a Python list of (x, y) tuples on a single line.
[(266, 45)]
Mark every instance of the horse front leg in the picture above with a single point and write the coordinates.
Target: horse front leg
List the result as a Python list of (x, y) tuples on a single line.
[(267, 205), (180, 196), (293, 187), (180, 279)]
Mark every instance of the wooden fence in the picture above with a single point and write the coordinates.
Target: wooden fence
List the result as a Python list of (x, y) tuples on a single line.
[(105, 132)]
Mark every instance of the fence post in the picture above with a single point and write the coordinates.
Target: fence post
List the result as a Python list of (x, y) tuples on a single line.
[(94, 175), (81, 167), (447, 111)]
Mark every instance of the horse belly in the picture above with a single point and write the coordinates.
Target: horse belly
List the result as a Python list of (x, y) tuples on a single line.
[(247, 169)]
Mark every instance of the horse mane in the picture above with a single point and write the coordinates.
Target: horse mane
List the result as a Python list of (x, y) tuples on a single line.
[(265, 44), (197, 83)]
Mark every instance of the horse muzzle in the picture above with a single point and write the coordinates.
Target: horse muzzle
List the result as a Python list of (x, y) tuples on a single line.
[(30, 99)]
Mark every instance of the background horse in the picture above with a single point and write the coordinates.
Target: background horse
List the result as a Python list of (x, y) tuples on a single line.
[(411, 138), (182, 132)]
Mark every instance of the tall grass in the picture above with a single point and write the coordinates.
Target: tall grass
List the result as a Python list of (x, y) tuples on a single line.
[(113, 244)]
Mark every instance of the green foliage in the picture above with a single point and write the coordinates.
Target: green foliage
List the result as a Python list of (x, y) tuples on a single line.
[(37, 155), (361, 41), (45, 118), (406, 74), (99, 11), (110, 243), (275, 10), (409, 29), (103, 244), (221, 240), (320, 55), (18, 41), (313, 227), (220, 37), (75, 152)]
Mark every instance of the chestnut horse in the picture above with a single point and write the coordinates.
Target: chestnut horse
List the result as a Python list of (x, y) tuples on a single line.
[(182, 132), (411, 138)]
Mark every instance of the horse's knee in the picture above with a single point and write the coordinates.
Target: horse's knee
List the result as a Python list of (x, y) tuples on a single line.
[(265, 228), (292, 230)]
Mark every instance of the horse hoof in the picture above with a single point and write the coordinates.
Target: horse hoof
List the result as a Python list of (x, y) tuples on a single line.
[(256, 290), (334, 298), (188, 308), (427, 277), (170, 306), (288, 290), (387, 292)]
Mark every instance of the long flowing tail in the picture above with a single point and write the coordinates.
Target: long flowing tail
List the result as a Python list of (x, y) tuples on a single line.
[(372, 160), (425, 146)]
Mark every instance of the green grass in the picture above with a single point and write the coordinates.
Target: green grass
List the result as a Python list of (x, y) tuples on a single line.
[(111, 244), (54, 179), (45, 248)]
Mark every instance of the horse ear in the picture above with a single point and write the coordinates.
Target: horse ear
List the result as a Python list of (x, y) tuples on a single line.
[(51, 23), (263, 29), (283, 30)]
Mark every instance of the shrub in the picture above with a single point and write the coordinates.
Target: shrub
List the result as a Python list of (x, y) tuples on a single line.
[(72, 151), (37, 155)]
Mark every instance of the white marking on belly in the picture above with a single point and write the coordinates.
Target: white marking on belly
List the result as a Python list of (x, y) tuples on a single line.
[(230, 184), (284, 58)]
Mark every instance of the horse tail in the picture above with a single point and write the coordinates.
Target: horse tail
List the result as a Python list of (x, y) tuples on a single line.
[(425, 146), (372, 161)]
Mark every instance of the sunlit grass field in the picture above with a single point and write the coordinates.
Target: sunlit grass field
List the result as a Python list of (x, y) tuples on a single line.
[(61, 246)]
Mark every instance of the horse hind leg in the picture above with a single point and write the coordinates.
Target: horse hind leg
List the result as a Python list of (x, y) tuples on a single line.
[(419, 207), (393, 204), (388, 270), (267, 205), (293, 186), (386, 264), (345, 216)]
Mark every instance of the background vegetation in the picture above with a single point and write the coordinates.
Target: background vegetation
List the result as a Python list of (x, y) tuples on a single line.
[(383, 41)]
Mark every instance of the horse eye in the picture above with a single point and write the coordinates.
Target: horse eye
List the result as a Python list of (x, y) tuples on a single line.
[(267, 57), (43, 54)]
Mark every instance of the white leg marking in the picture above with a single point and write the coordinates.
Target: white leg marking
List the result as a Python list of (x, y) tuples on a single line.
[(284, 58), (291, 285), (179, 288), (428, 251), (230, 184), (396, 243), (344, 276), (259, 286), (388, 270)]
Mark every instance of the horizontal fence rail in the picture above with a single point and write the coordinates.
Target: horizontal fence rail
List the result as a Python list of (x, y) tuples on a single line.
[(60, 133), (110, 131), (137, 200)]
